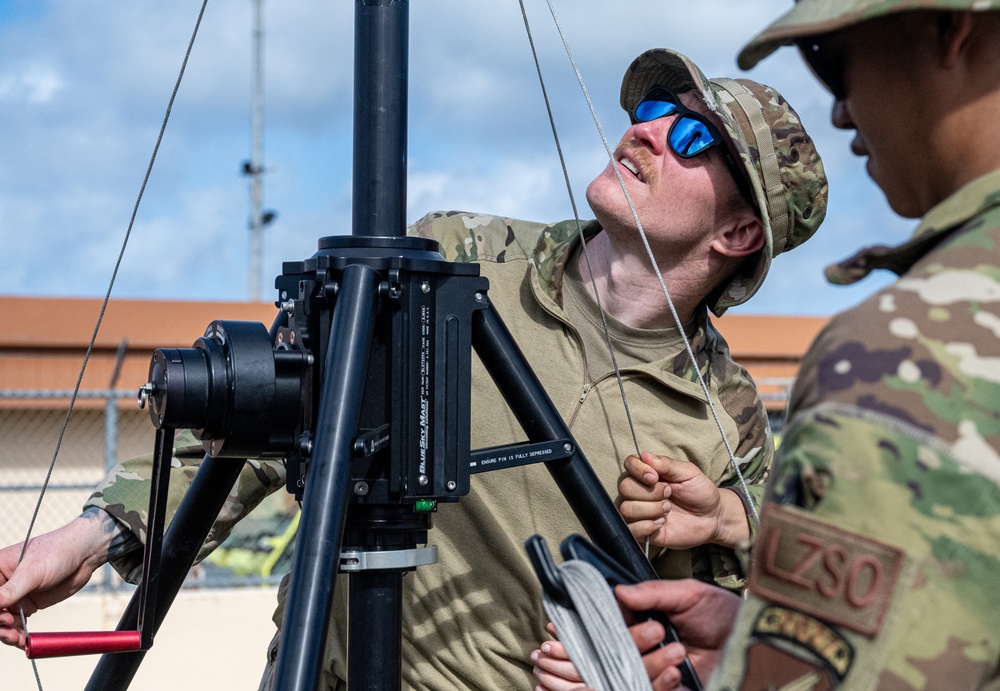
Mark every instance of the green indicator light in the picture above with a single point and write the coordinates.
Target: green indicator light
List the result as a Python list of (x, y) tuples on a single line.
[(425, 504)]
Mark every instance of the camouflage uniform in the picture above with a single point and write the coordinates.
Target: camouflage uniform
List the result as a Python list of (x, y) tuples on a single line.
[(877, 565), (472, 619)]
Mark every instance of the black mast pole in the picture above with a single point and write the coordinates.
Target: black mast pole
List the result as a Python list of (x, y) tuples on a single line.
[(381, 44)]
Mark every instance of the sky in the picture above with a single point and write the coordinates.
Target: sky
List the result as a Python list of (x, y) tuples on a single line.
[(84, 87)]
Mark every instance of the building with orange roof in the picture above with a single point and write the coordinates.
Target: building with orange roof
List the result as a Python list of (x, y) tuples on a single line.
[(47, 338)]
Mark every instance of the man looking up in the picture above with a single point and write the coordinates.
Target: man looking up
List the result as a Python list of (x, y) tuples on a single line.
[(876, 561), (723, 177)]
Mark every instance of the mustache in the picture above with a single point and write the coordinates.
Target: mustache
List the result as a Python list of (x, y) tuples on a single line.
[(626, 145), (636, 152)]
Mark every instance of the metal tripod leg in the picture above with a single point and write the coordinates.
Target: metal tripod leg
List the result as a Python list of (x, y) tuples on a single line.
[(542, 422), (324, 510)]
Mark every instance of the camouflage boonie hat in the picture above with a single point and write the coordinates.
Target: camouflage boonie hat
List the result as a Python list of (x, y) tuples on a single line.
[(766, 136), (814, 17)]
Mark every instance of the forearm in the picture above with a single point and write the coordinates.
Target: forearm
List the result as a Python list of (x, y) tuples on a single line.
[(110, 539), (734, 523), (80, 547), (53, 566)]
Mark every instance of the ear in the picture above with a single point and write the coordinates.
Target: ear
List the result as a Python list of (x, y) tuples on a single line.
[(954, 32), (744, 237)]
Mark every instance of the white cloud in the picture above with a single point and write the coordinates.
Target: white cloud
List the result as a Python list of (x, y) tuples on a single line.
[(531, 186), (32, 85)]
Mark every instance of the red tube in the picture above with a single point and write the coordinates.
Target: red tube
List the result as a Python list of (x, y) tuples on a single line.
[(81, 643)]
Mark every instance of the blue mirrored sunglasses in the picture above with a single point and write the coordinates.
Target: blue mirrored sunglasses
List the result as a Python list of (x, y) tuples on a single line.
[(690, 133)]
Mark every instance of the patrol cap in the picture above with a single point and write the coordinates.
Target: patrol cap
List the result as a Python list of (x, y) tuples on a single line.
[(768, 140), (813, 17)]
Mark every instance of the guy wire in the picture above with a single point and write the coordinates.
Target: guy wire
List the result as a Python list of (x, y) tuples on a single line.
[(100, 316), (583, 243), (656, 268), (579, 227)]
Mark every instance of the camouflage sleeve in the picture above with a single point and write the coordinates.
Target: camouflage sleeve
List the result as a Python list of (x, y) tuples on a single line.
[(875, 565), (124, 494), (753, 453), (754, 467), (472, 237), (728, 567)]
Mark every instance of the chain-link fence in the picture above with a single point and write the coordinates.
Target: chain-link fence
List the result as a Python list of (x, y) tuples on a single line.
[(102, 431)]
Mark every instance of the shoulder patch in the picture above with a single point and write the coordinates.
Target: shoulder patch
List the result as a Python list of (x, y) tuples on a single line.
[(836, 575), (792, 650)]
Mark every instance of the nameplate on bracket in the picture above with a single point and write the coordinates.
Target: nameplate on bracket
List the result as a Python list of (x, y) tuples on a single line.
[(497, 457)]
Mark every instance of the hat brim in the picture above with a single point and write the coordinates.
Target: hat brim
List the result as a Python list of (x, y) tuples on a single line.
[(816, 17)]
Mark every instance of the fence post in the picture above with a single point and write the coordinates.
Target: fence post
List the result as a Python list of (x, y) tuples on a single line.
[(111, 437)]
